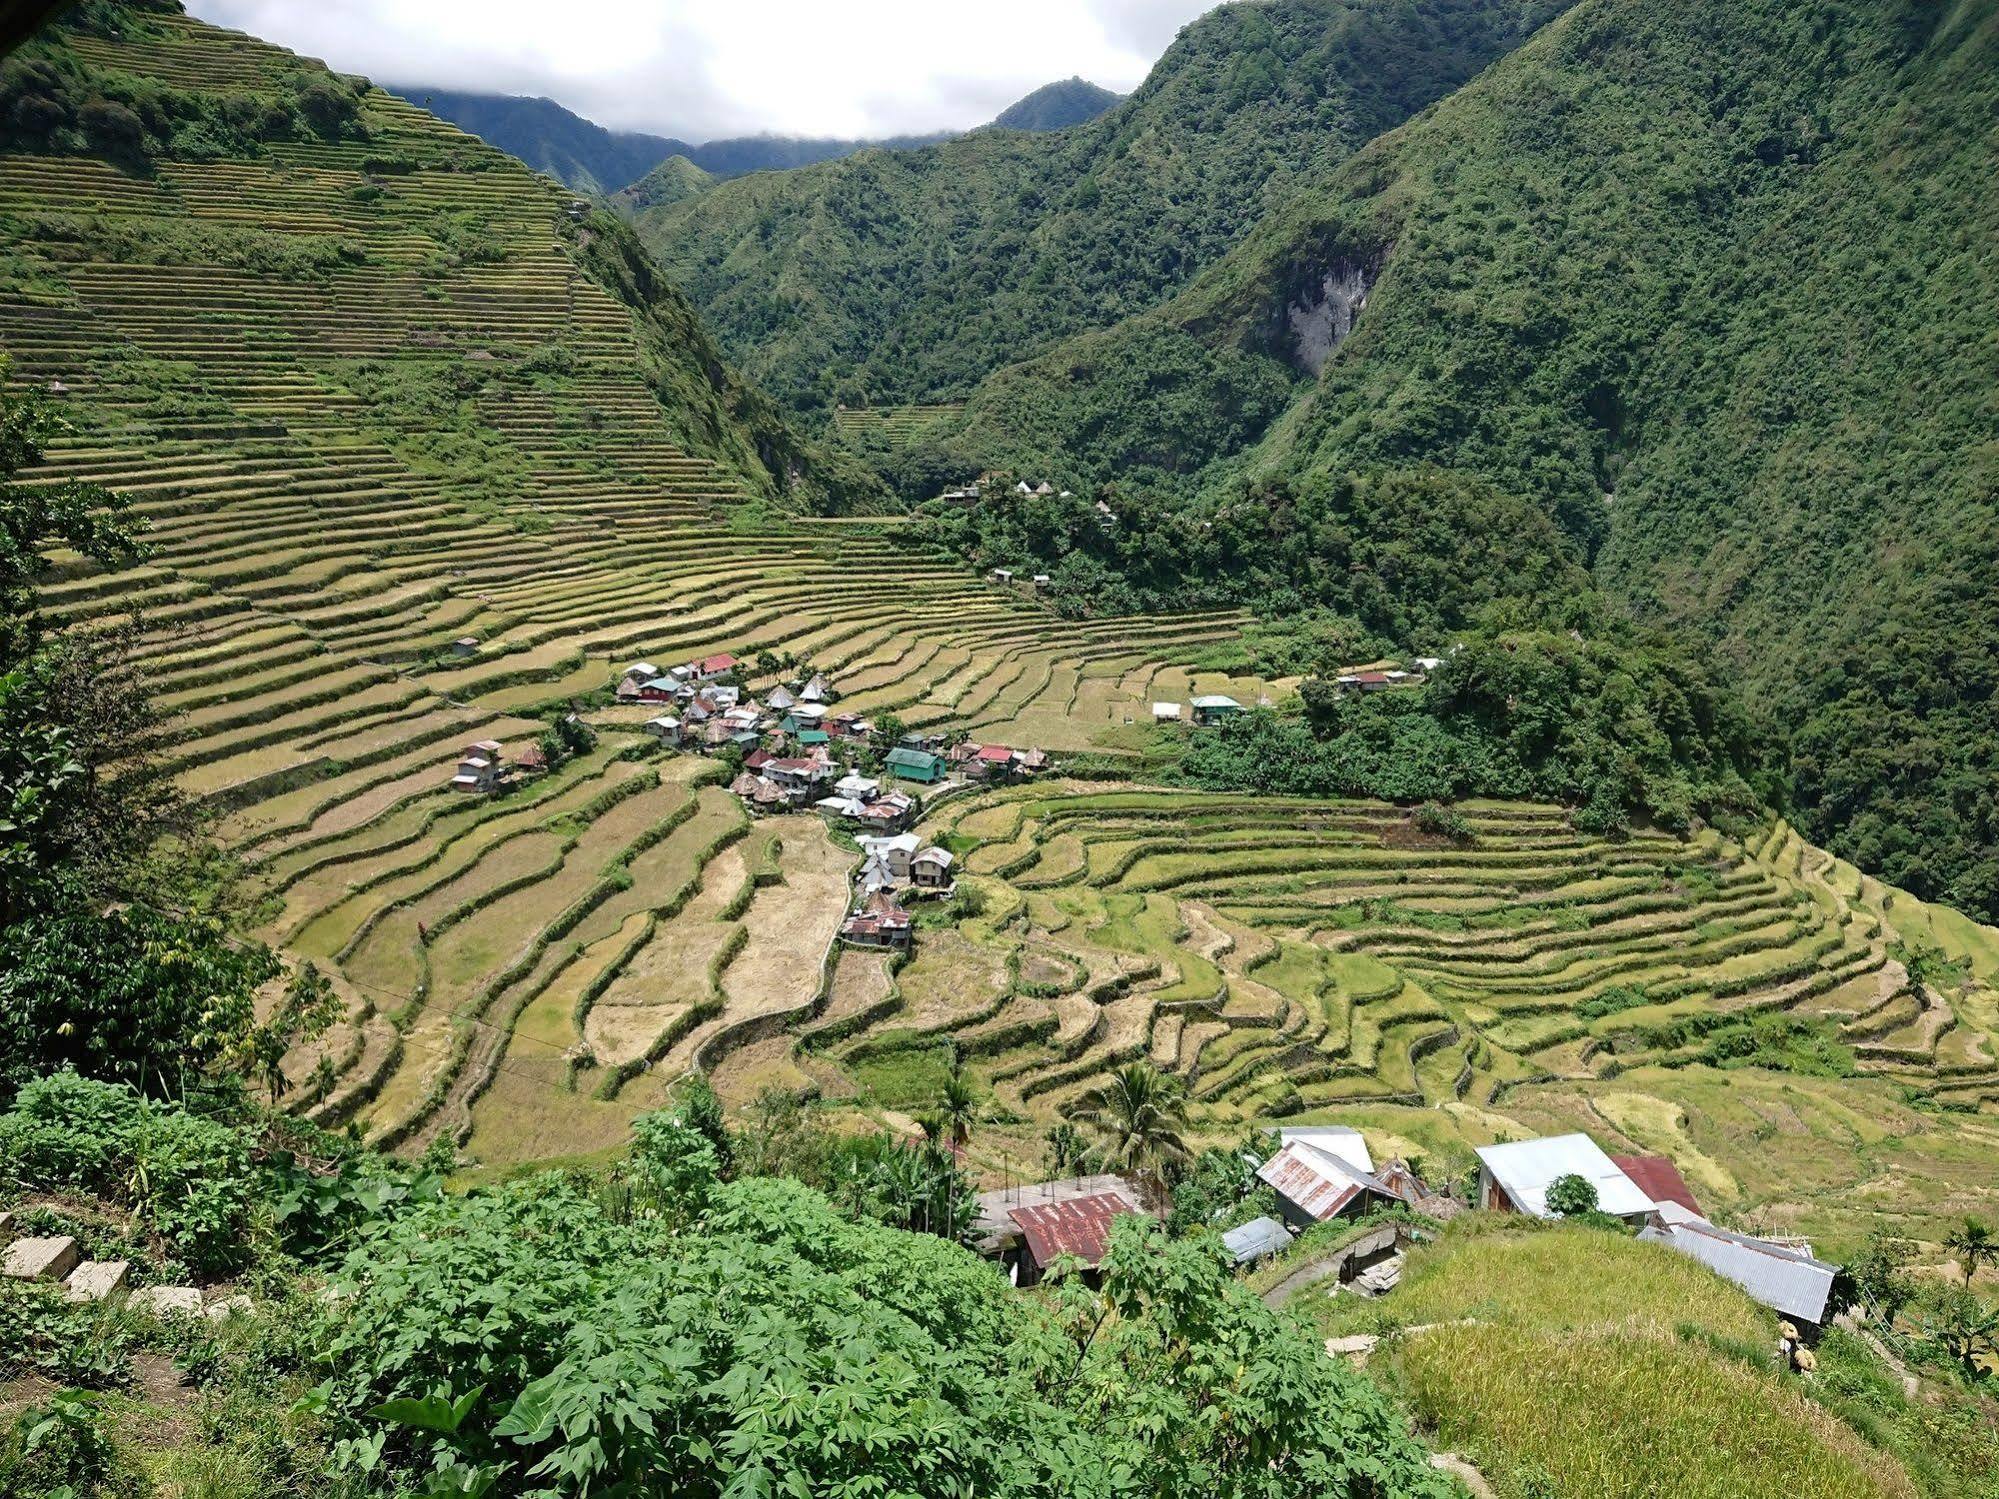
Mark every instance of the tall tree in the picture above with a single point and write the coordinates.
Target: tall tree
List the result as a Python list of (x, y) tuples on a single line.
[(1973, 1243), (1138, 1114)]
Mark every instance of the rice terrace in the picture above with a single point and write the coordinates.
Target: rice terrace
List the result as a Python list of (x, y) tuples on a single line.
[(525, 973), (583, 682)]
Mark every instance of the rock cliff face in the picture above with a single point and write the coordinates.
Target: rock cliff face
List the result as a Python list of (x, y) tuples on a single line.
[(1320, 323)]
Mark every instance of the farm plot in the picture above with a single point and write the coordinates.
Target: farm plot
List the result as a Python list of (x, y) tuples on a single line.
[(1293, 958), (340, 597)]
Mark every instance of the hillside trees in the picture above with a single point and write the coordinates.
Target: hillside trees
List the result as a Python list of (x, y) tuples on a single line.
[(1704, 287), (1611, 728), (96, 972)]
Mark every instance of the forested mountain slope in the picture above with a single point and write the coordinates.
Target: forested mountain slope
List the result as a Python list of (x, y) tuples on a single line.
[(1057, 106), (576, 152), (1714, 287), (900, 276)]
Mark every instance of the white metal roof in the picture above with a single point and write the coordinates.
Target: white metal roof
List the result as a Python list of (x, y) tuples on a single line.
[(1342, 1140), (1527, 1168), (1165, 710), (1256, 1238), (1216, 700), (1784, 1280)]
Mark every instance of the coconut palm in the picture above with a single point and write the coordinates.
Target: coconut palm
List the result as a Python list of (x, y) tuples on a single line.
[(1137, 1113), (1973, 1243), (958, 1108)]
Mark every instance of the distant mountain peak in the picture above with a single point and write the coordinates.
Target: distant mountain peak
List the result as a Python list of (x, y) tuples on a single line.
[(1057, 106)]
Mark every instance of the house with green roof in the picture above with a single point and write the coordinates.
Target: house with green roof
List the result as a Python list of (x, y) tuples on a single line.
[(915, 764)]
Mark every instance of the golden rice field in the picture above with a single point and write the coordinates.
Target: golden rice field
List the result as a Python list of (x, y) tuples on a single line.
[(522, 974), (443, 431)]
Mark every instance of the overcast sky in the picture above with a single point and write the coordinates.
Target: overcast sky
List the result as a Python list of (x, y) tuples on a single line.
[(702, 69)]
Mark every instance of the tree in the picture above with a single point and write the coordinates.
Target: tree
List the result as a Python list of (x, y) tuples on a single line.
[(34, 521), (1973, 1243), (1572, 1196), (1964, 1327), (1137, 1115), (958, 1107), (130, 995), (1065, 1148)]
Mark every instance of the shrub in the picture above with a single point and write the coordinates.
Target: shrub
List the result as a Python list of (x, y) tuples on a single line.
[(1572, 1196), (189, 1178)]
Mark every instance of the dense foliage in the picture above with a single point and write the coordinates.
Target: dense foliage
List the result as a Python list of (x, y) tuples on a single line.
[(1609, 729), (784, 1348), (896, 276), (1707, 288), (93, 973), (50, 103)]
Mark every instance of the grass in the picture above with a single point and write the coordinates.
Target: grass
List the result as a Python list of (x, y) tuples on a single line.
[(1593, 1364)]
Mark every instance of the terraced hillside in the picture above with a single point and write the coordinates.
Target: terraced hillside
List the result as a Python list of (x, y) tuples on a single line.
[(1293, 958), (371, 401)]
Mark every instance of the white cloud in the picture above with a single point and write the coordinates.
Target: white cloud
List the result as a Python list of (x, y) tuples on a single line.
[(699, 69)]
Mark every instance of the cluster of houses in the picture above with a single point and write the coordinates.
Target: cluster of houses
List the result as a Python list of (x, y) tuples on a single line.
[(1326, 1172), (1382, 681), (893, 870)]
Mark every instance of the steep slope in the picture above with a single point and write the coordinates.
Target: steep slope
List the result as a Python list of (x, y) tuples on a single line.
[(1057, 106), (576, 152), (906, 276), (1710, 286), (674, 180), (426, 459)]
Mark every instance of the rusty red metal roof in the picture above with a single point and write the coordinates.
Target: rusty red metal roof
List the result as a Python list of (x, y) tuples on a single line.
[(995, 754), (1659, 1179), (1320, 1183), (1080, 1226)]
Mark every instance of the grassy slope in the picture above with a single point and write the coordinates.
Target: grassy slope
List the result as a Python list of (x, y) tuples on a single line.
[(710, 408), (898, 276), (1598, 1364), (1712, 286)]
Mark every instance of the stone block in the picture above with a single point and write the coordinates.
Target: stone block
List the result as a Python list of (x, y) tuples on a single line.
[(230, 1306), (167, 1301), (99, 1280), (39, 1259)]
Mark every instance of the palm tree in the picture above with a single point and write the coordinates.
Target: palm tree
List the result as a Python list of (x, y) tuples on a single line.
[(958, 1108), (1974, 1244), (1138, 1113)]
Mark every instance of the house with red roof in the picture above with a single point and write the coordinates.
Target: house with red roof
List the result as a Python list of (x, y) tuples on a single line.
[(1659, 1179)]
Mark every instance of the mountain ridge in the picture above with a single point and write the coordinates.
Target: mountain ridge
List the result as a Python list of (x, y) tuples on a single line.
[(908, 276), (594, 159)]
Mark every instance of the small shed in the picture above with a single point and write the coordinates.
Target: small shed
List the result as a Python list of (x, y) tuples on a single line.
[(1515, 1177), (930, 868), (1165, 712), (1079, 1228), (1256, 1239)]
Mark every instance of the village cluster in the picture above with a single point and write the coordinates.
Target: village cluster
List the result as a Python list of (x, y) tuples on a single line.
[(1325, 1172), (799, 753)]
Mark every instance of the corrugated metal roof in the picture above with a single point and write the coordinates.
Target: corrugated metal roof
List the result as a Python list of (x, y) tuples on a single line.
[(1527, 1168), (1659, 1179), (1256, 1238), (1080, 1226), (1342, 1140), (1782, 1279), (1318, 1182)]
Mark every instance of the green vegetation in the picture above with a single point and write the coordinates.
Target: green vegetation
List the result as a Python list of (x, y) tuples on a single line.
[(1639, 1358), (660, 1326), (898, 276), (1608, 731), (1615, 280)]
